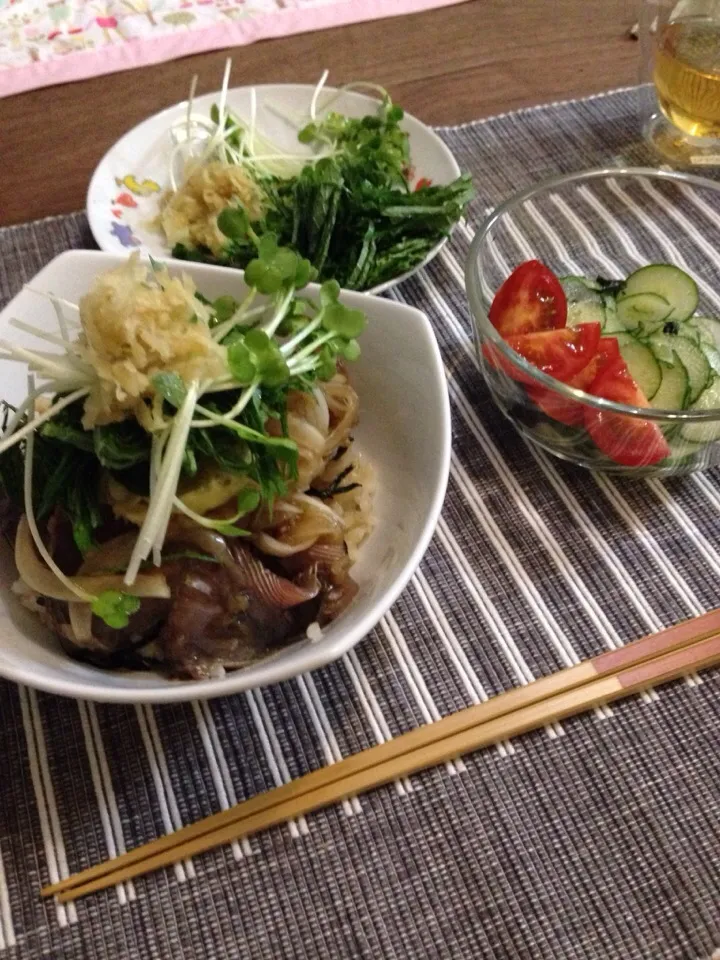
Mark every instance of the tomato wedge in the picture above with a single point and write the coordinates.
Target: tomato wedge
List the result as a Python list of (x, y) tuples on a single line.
[(559, 353), (627, 440), (568, 411), (530, 300)]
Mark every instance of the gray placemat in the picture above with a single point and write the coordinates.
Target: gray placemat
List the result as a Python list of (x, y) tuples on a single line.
[(597, 840)]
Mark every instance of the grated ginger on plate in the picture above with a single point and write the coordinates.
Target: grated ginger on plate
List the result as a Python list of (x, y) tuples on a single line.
[(135, 324), (189, 216)]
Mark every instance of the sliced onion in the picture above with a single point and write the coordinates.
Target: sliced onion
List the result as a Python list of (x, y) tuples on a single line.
[(309, 466), (305, 434), (284, 507), (343, 402), (43, 581), (249, 574), (311, 407), (277, 548), (316, 520), (323, 412), (316, 504), (81, 622)]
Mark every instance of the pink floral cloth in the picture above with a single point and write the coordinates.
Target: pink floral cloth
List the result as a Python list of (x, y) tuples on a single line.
[(43, 42)]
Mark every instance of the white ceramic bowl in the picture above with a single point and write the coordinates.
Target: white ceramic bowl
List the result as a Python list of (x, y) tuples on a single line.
[(404, 429)]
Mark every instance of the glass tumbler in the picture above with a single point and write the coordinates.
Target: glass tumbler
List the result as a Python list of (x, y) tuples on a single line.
[(680, 46)]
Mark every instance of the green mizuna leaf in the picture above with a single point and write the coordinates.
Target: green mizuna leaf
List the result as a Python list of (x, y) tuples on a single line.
[(171, 387)]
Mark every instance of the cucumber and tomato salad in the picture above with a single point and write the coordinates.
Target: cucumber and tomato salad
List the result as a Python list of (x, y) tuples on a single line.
[(671, 352), (635, 341)]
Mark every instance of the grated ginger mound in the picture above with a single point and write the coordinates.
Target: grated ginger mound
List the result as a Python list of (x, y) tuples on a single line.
[(189, 216), (135, 324)]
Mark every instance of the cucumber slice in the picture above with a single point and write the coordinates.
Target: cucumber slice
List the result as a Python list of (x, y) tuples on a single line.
[(684, 452), (685, 329), (643, 366), (673, 389), (713, 357), (584, 303), (645, 312), (613, 323), (664, 346), (578, 289), (706, 328), (672, 283), (706, 432), (556, 436), (624, 336), (585, 312)]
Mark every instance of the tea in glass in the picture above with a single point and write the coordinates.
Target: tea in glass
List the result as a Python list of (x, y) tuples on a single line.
[(684, 54), (687, 76)]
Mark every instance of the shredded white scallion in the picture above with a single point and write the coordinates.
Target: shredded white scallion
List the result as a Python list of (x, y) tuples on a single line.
[(191, 98), (253, 120), (316, 94), (55, 300), (178, 150), (154, 527), (157, 446), (32, 425), (198, 132), (29, 403), (30, 513), (48, 365), (61, 341), (224, 93), (358, 85), (207, 523), (220, 419)]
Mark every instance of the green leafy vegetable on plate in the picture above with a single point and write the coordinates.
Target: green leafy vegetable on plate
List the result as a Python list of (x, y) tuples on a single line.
[(350, 210)]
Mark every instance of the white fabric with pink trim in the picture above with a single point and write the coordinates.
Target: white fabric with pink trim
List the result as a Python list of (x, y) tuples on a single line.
[(43, 42)]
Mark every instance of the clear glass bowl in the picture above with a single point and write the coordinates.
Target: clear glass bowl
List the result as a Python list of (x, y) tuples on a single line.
[(605, 222)]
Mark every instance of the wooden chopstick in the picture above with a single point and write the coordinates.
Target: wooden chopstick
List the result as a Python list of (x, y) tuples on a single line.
[(655, 659)]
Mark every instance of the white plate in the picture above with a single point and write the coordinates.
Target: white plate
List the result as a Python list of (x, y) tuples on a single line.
[(404, 430), (123, 196)]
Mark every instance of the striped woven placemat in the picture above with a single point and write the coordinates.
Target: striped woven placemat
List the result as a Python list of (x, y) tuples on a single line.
[(596, 840)]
